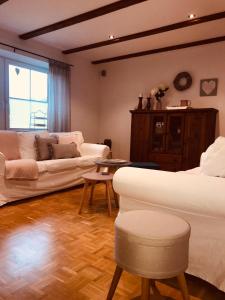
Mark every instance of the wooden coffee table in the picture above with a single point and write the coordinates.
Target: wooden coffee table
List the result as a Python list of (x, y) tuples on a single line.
[(111, 164), (90, 179)]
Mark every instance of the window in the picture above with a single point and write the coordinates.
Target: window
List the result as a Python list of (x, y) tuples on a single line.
[(28, 96)]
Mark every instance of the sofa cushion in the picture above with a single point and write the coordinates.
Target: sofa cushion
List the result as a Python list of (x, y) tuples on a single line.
[(59, 165), (9, 144), (70, 137), (27, 143), (213, 160), (43, 146), (60, 151)]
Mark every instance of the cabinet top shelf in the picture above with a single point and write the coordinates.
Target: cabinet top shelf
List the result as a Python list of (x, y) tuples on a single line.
[(188, 110)]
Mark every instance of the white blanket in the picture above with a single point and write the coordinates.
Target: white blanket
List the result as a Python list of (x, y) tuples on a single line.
[(25, 169)]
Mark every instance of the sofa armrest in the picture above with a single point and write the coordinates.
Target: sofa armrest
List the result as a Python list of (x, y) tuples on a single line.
[(198, 194), (94, 149), (2, 164)]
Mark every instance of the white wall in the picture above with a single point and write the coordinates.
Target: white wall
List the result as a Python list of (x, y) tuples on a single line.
[(126, 79), (84, 98), (84, 84), (30, 45), (33, 46)]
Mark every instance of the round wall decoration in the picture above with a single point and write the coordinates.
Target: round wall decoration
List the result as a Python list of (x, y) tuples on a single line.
[(182, 81)]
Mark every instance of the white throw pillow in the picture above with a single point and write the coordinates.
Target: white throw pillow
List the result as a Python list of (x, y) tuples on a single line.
[(27, 143), (212, 161)]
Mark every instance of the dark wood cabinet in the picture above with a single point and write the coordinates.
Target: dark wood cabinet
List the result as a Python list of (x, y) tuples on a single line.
[(173, 138)]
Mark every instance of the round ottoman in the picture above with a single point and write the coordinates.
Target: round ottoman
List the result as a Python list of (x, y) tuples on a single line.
[(152, 245)]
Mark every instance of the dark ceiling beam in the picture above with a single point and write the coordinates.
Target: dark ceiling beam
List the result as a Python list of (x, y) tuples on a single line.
[(3, 1), (81, 18), (160, 50), (150, 32)]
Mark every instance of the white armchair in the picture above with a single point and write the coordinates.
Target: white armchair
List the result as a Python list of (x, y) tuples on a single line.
[(199, 199)]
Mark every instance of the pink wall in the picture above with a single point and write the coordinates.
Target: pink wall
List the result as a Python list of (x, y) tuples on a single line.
[(126, 79)]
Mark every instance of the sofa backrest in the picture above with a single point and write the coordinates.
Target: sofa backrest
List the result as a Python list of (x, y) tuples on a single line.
[(212, 161), (15, 145), (70, 137), (9, 144), (27, 143)]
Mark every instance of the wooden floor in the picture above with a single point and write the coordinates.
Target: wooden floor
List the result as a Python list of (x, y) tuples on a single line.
[(48, 251)]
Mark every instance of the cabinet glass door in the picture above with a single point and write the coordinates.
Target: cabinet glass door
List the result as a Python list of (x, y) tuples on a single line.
[(158, 133), (175, 133)]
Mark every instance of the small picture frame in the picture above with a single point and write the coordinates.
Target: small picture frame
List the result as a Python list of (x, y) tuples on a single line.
[(208, 87)]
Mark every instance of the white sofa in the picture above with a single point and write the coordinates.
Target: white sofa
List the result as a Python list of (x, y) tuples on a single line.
[(53, 174), (198, 198)]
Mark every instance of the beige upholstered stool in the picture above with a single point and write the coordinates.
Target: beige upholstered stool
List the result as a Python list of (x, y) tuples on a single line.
[(152, 245)]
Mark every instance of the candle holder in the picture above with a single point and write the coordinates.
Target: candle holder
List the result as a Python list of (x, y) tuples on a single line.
[(140, 103), (148, 105)]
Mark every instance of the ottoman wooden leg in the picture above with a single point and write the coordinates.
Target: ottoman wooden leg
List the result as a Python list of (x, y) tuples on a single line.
[(108, 197), (183, 286), (145, 288), (85, 190), (116, 277)]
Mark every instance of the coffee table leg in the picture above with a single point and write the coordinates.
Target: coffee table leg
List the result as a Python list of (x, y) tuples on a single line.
[(116, 197), (85, 190), (108, 197), (92, 192)]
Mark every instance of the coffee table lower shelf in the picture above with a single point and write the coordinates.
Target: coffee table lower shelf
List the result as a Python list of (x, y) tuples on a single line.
[(91, 179)]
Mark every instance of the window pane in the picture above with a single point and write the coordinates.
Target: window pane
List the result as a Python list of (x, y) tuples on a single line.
[(39, 83), (39, 115), (29, 87), (19, 82), (19, 116)]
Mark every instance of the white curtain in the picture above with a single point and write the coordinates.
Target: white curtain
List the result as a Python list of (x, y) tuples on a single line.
[(59, 97)]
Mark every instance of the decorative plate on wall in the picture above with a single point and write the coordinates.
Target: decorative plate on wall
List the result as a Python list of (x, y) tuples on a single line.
[(182, 81)]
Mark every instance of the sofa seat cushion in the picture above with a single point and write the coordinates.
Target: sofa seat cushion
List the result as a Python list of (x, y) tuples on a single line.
[(58, 165)]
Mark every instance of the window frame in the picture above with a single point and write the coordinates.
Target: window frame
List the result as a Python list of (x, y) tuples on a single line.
[(7, 109)]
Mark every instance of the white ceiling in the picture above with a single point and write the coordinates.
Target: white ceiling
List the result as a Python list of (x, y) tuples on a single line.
[(25, 15)]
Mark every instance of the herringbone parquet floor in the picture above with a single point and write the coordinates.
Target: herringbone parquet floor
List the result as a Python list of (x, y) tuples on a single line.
[(49, 252)]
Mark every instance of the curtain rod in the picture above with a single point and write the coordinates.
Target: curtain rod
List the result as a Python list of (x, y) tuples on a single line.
[(45, 57)]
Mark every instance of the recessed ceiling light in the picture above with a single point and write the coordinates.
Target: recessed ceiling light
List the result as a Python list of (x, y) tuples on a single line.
[(191, 16), (111, 36)]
